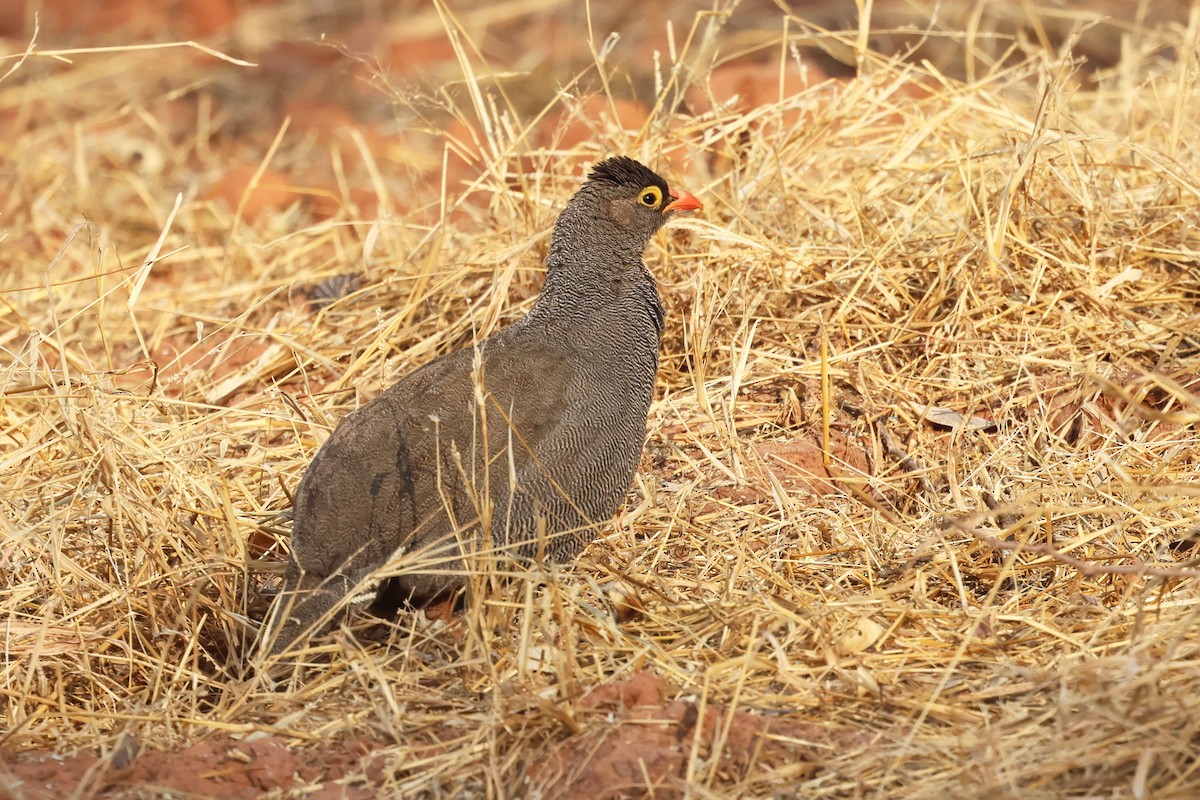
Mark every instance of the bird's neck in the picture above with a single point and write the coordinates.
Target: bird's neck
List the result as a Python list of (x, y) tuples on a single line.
[(585, 291), (595, 276)]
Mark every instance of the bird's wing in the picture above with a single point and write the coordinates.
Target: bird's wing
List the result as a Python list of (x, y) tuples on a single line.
[(531, 390)]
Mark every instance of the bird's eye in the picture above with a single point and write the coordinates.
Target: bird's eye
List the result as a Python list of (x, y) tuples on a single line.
[(651, 196)]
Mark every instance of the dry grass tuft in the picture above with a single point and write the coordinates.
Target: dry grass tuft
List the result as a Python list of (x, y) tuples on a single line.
[(920, 474)]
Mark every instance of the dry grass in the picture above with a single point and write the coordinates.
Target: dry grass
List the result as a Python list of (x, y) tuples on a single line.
[(983, 292)]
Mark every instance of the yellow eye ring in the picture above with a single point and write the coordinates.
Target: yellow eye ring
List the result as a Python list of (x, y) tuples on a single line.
[(650, 197)]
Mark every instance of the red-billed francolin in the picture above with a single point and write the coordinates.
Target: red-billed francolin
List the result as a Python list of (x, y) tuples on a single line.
[(527, 440)]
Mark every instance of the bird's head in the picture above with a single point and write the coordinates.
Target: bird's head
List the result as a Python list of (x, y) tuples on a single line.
[(599, 242), (624, 202)]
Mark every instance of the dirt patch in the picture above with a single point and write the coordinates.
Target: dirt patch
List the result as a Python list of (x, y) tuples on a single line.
[(632, 742), (635, 743), (221, 767)]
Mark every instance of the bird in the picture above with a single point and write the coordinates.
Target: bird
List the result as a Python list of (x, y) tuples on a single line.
[(526, 441)]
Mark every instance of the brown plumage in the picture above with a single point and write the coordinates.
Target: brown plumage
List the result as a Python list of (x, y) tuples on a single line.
[(549, 453)]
